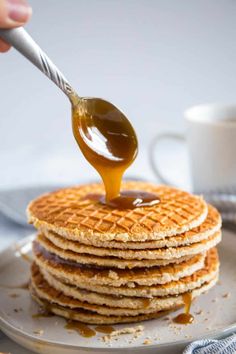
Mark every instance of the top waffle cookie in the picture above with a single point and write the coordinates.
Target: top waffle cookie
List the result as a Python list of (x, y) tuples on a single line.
[(69, 214)]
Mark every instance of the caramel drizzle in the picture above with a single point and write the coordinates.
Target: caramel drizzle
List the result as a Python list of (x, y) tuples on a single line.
[(185, 317), (104, 329), (81, 328)]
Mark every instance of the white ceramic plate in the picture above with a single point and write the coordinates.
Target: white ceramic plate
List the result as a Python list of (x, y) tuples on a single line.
[(215, 313)]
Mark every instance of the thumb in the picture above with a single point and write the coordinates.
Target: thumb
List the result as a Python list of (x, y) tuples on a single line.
[(14, 13)]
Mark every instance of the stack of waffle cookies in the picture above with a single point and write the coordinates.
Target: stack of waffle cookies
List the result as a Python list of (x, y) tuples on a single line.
[(100, 265)]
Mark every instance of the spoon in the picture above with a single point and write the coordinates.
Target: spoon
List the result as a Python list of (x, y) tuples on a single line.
[(103, 133)]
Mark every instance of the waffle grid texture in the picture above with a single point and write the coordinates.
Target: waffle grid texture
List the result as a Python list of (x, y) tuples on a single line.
[(71, 215)]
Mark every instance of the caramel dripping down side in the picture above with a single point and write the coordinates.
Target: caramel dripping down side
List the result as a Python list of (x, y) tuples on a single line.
[(185, 317)]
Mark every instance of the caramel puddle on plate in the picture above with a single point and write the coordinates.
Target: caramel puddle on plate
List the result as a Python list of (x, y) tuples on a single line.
[(81, 328), (104, 329)]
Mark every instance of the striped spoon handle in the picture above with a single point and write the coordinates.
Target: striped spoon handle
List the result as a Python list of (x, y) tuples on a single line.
[(24, 43)]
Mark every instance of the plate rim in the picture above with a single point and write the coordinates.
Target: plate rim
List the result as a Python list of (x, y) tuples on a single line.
[(4, 324)]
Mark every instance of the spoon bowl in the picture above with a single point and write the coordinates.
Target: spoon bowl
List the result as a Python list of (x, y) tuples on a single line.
[(106, 138), (103, 131)]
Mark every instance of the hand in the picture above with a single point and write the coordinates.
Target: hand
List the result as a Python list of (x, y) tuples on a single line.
[(13, 13)]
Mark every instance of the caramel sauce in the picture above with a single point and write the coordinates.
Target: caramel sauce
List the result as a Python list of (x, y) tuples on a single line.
[(104, 329), (81, 328), (109, 143), (131, 199), (186, 317), (107, 140), (146, 302)]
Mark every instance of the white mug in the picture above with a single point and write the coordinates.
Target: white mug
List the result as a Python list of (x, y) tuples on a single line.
[(211, 142)]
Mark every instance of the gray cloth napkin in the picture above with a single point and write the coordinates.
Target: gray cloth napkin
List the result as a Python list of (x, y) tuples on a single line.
[(213, 346), (225, 202)]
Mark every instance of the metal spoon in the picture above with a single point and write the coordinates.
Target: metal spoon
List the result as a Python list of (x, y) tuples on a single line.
[(102, 143)]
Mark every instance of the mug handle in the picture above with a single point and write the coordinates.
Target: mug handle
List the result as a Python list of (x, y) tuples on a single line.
[(157, 139)]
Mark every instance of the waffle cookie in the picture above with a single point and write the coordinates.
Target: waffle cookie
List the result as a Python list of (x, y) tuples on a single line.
[(211, 225), (100, 265), (46, 292), (124, 295), (79, 273), (73, 215)]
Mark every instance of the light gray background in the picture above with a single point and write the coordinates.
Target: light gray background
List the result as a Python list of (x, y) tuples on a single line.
[(152, 58)]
